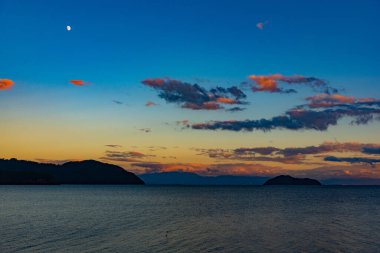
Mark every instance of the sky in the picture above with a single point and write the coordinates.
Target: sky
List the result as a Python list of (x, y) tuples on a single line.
[(211, 87)]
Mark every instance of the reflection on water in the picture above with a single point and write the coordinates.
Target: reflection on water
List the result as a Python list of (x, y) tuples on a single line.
[(189, 219)]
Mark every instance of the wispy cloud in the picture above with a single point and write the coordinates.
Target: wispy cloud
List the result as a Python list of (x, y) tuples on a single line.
[(150, 104), (367, 160), (113, 146), (124, 156), (270, 83), (6, 84), (195, 97), (289, 155), (261, 25), (210, 169), (243, 169), (145, 130), (117, 102), (334, 100)]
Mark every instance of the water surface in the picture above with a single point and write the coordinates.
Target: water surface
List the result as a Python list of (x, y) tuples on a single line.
[(189, 219)]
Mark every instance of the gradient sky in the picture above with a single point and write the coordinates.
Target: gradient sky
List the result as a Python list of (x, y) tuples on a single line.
[(114, 46)]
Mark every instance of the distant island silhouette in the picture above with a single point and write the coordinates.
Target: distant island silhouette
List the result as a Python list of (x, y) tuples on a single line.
[(188, 178), (289, 180), (19, 172)]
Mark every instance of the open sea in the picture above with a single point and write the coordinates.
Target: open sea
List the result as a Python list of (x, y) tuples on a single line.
[(93, 218)]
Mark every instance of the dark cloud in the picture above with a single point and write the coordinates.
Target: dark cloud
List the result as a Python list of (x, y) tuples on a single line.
[(289, 155), (113, 146), (367, 160), (117, 102), (195, 97), (371, 150), (259, 150), (235, 109), (300, 119), (326, 147), (124, 156)]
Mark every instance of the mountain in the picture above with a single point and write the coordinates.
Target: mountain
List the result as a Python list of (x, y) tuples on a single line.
[(187, 178), (15, 171), (288, 180)]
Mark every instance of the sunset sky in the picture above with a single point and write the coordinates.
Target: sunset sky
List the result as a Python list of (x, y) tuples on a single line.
[(212, 87)]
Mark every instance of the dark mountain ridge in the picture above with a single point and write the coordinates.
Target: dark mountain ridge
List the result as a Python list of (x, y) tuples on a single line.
[(15, 171)]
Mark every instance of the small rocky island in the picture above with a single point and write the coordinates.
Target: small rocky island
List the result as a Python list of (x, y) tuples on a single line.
[(289, 180)]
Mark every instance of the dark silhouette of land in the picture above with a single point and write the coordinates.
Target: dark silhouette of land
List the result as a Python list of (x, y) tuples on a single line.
[(289, 180), (15, 172), (187, 178)]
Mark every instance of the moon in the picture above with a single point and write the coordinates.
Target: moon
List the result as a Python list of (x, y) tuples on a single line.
[(68, 28)]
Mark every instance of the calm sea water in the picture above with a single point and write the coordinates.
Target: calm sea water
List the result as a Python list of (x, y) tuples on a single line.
[(189, 219)]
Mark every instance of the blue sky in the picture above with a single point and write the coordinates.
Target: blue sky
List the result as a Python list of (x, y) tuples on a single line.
[(115, 45)]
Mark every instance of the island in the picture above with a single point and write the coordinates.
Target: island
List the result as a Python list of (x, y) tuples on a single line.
[(289, 180), (19, 172)]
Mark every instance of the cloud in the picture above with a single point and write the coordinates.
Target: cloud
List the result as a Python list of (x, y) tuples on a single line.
[(334, 100), (270, 83), (113, 146), (117, 102), (251, 154), (371, 150), (203, 106), (235, 109), (301, 119), (145, 130), (288, 155), (261, 25), (210, 169), (185, 122), (124, 156), (195, 97), (242, 169), (327, 147), (6, 84), (79, 82), (150, 104), (370, 161)]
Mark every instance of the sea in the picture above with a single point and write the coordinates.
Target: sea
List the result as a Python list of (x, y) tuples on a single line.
[(126, 218)]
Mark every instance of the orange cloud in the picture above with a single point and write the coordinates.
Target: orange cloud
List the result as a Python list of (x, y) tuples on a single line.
[(79, 82), (327, 100), (266, 83), (6, 84), (225, 100), (269, 83)]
